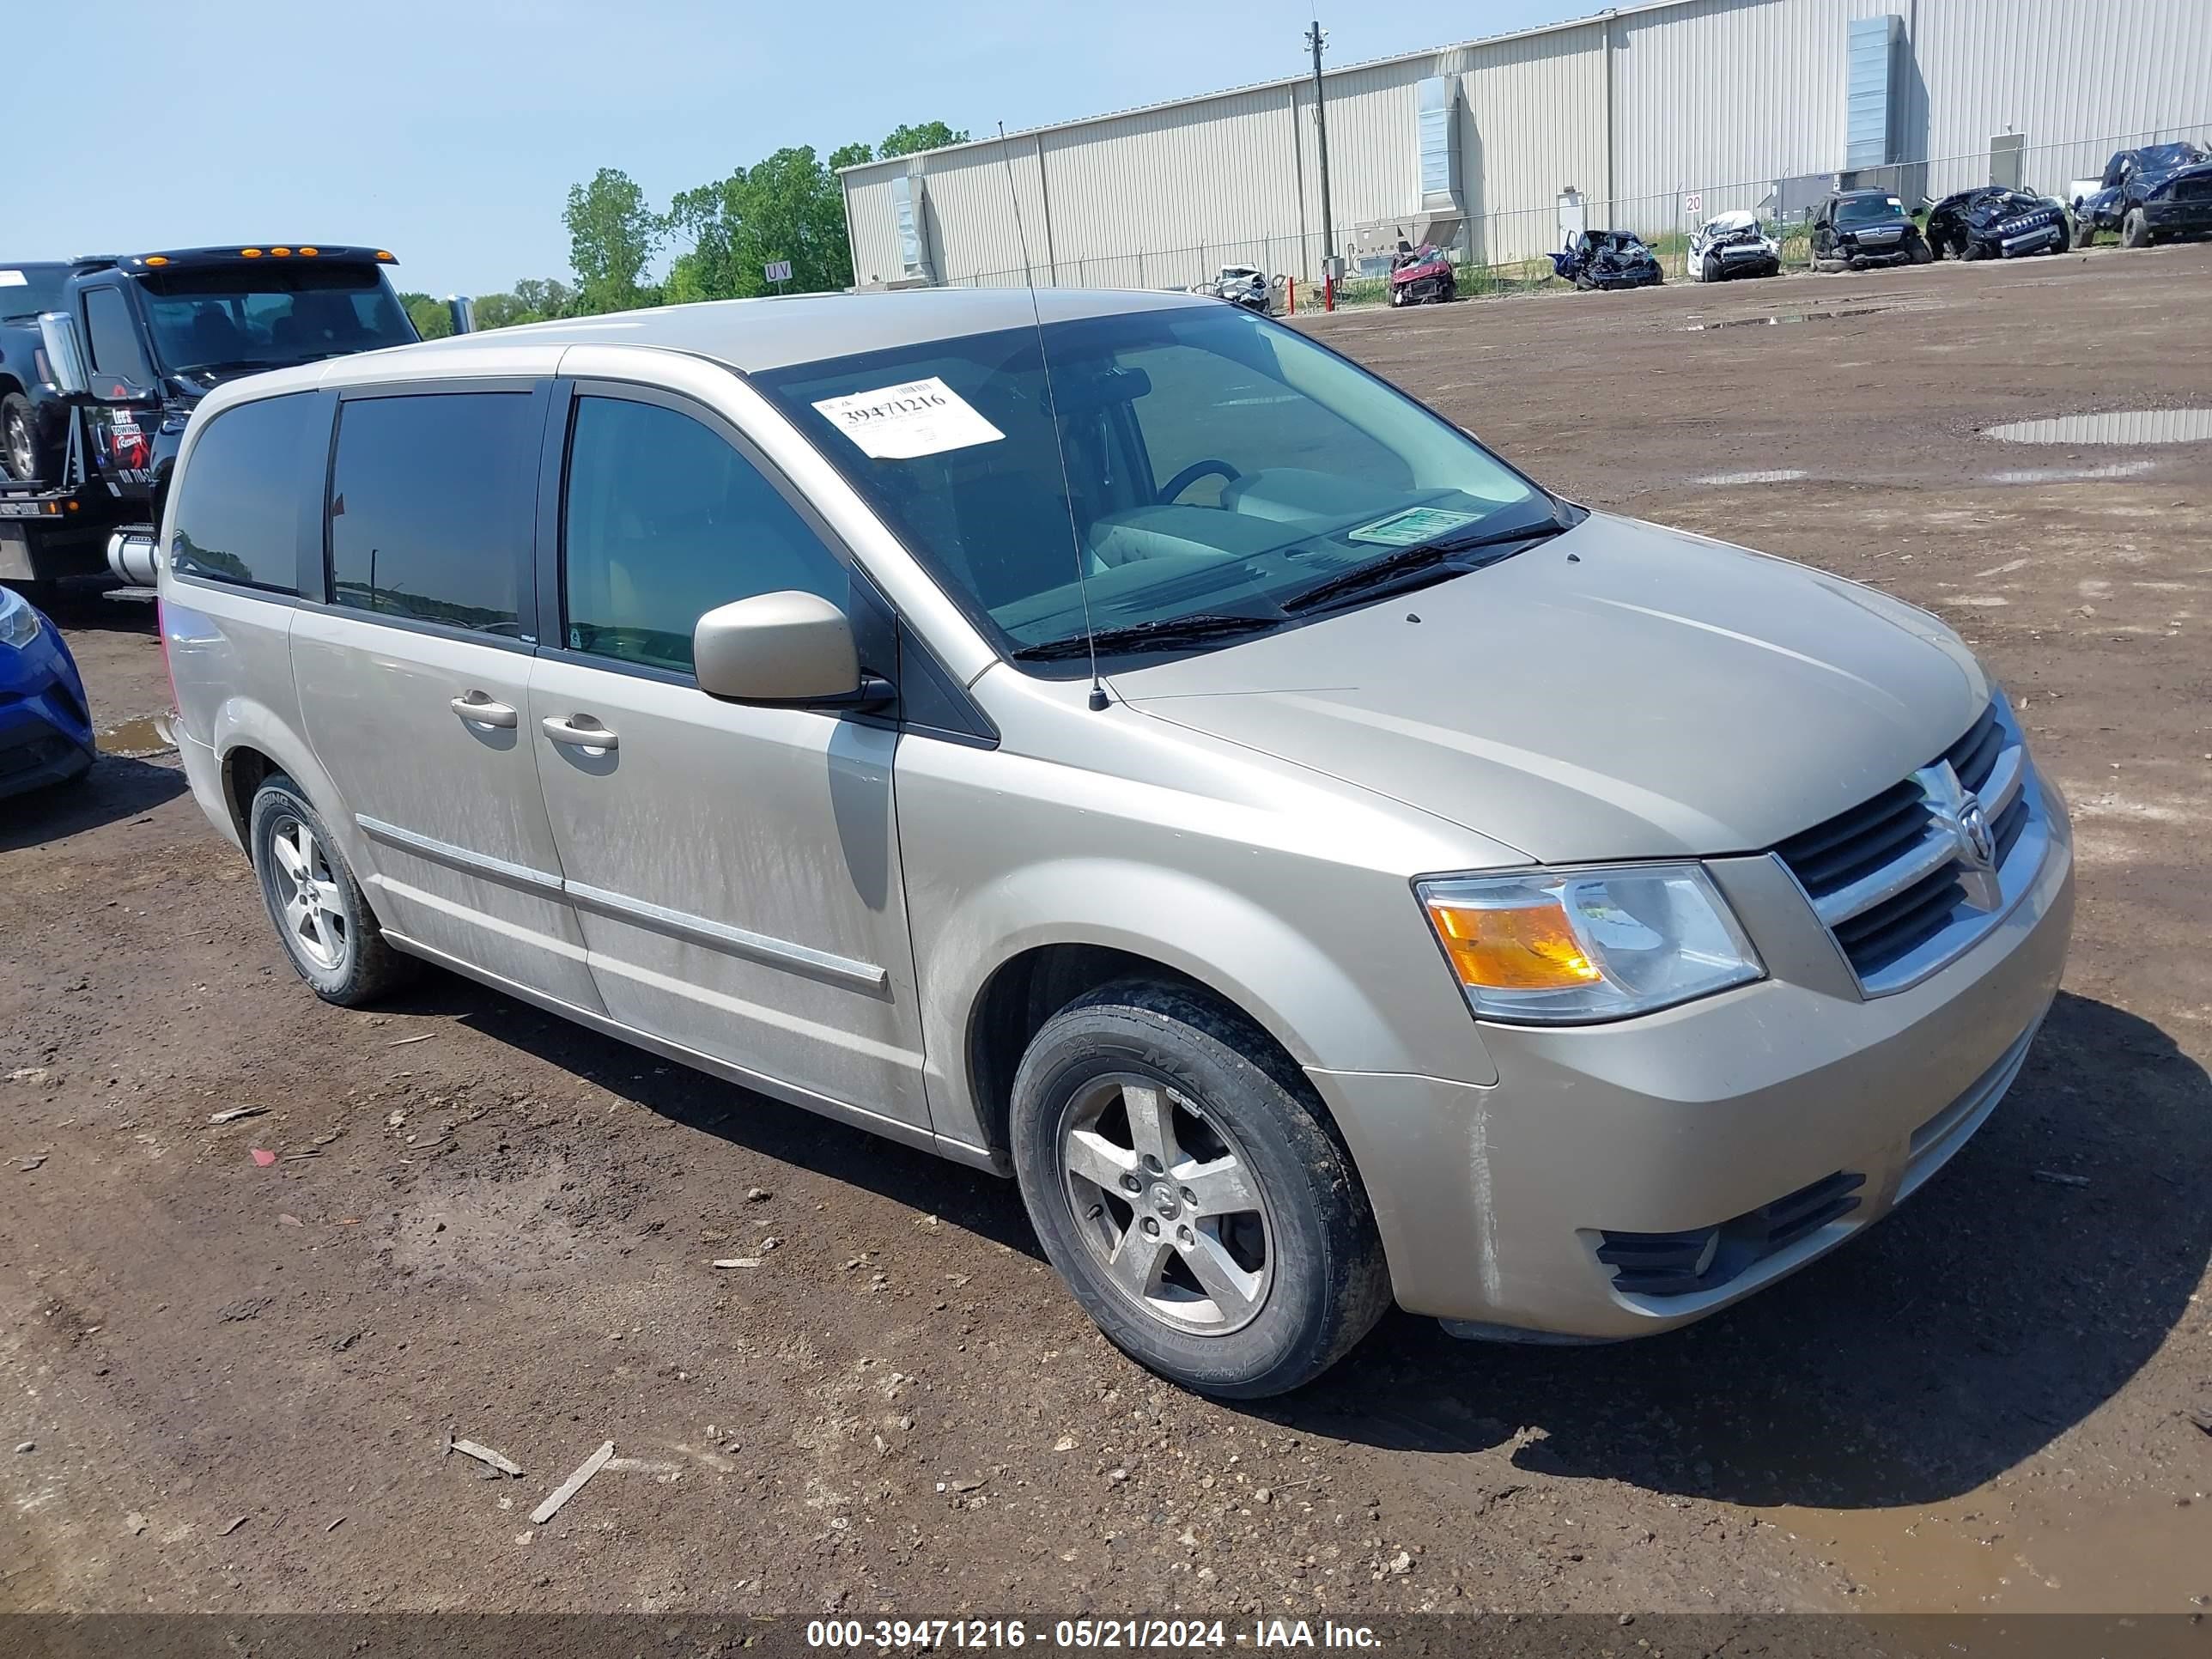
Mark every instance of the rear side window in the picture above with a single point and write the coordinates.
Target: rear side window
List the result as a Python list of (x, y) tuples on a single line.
[(431, 504), (114, 337), (665, 521), (238, 500)]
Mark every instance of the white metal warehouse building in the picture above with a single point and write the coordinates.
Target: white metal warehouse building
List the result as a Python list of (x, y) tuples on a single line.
[(1651, 114)]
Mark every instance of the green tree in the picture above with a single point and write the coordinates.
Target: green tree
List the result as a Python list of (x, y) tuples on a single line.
[(930, 135), (431, 319), (789, 206), (544, 297), (612, 236), (850, 155)]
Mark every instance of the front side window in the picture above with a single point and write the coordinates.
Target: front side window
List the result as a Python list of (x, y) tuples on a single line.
[(113, 336), (236, 318), (1216, 463), (665, 521), (238, 499), (431, 505)]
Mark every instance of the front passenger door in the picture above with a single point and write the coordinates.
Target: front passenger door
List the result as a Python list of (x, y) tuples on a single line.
[(734, 869)]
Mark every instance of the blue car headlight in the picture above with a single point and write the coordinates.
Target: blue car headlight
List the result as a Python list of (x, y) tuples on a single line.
[(19, 623)]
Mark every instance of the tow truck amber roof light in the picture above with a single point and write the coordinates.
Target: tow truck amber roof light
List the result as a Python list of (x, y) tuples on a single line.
[(157, 258), (308, 252), (249, 253)]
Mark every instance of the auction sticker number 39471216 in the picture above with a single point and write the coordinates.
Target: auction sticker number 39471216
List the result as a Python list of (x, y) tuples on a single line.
[(917, 417)]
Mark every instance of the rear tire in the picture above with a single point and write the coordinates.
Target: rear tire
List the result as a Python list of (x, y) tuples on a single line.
[(2135, 229), (1246, 1262), (320, 913)]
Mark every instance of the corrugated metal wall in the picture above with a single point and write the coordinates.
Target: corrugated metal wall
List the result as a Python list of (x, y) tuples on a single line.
[(1717, 97)]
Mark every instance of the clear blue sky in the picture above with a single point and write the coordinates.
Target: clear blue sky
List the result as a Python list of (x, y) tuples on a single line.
[(450, 133)]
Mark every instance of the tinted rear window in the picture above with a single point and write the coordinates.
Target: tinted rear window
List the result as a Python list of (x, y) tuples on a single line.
[(431, 506), (238, 500)]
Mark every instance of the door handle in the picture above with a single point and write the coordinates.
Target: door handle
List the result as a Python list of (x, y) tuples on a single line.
[(479, 710), (563, 728)]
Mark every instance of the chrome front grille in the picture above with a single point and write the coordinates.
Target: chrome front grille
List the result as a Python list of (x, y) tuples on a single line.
[(1907, 881)]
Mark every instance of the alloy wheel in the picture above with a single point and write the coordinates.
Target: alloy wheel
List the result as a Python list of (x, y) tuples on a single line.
[(1167, 1204), (21, 462), (307, 894)]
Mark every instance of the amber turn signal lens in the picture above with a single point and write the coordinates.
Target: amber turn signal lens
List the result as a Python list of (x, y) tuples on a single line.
[(1528, 948)]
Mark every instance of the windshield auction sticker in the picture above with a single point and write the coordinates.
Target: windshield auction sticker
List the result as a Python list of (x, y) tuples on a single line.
[(1412, 528), (899, 422)]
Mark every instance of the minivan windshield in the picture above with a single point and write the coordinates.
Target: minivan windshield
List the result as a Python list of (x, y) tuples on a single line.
[(1218, 467), (240, 318)]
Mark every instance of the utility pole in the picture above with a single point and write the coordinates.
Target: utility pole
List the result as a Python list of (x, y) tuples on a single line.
[(1316, 37)]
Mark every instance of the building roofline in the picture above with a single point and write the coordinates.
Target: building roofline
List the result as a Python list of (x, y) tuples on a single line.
[(1277, 84)]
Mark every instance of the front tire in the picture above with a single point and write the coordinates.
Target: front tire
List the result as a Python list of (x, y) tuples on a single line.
[(1710, 270), (321, 916), (1183, 1181), (23, 457), (2135, 229), (2085, 230)]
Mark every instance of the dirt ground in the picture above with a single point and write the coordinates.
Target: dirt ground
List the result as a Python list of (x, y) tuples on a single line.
[(232, 1381)]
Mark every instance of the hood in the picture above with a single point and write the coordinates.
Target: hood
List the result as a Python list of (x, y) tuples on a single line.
[(2162, 181), (1992, 207), (1662, 694)]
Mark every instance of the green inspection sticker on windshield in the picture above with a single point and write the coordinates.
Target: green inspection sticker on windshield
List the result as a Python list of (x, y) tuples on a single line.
[(1412, 528)]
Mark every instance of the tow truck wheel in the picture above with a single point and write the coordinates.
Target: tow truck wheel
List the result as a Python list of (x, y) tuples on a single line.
[(2135, 229), (19, 444)]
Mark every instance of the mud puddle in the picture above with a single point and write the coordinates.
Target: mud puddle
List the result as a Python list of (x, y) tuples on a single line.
[(2133, 426), (2043, 475), (152, 734), (2019, 1551), (1779, 318)]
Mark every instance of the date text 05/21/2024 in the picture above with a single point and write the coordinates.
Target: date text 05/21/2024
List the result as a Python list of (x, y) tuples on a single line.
[(895, 1635)]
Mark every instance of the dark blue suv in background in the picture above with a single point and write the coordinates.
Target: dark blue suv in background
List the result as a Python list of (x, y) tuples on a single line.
[(46, 728)]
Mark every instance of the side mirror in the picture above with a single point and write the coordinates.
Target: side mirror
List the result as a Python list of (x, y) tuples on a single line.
[(65, 353), (792, 648)]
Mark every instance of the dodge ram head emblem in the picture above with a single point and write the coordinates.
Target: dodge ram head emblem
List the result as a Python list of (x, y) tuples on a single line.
[(1956, 809)]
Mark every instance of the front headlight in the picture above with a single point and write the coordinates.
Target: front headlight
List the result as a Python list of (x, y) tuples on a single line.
[(19, 623), (1567, 947)]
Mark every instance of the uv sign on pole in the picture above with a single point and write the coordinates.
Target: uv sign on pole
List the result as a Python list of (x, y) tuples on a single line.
[(777, 271)]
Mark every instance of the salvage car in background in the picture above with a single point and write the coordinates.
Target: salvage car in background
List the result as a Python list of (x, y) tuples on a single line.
[(1240, 285), (46, 730), (2162, 190), (1607, 258), (1993, 223), (1422, 275), (1730, 245), (1858, 229)]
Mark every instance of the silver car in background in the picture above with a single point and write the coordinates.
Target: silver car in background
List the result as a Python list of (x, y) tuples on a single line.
[(1144, 753)]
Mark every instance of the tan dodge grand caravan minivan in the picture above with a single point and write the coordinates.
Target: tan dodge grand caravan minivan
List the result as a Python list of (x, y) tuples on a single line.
[(1143, 753)]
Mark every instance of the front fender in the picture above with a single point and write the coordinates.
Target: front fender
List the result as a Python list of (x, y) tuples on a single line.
[(1323, 1008)]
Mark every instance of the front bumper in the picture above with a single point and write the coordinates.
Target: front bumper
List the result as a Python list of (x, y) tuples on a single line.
[(1494, 1203), (2184, 216), (2038, 240), (46, 734), (40, 745)]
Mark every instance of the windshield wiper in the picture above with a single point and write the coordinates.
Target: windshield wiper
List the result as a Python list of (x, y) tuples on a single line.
[(1409, 562), (1163, 633)]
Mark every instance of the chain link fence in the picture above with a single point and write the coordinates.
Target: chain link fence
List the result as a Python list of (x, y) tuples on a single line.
[(1509, 252)]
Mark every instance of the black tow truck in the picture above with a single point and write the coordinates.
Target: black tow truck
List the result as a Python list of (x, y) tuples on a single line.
[(102, 360)]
